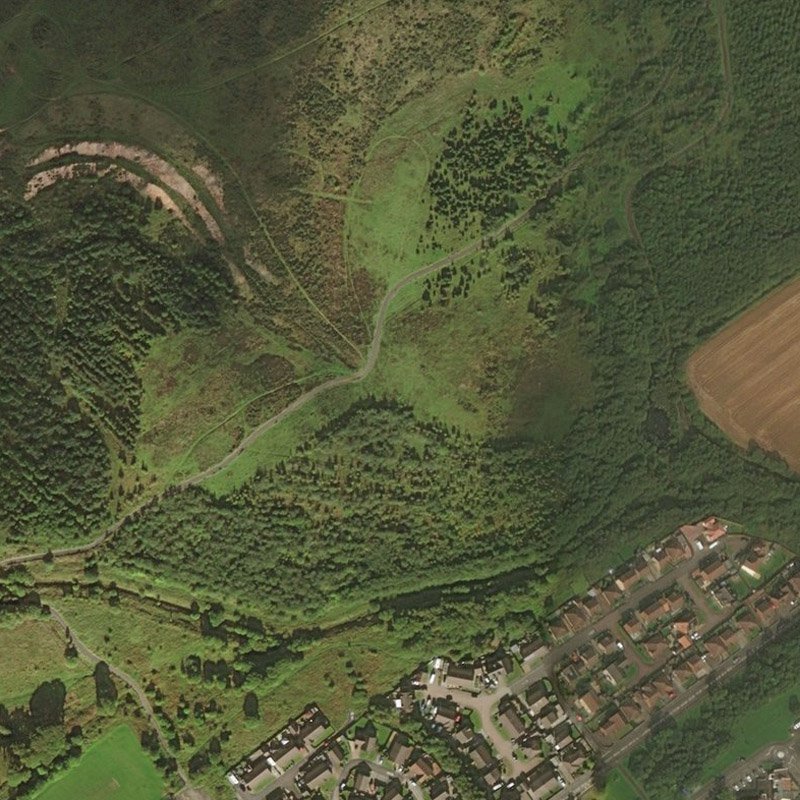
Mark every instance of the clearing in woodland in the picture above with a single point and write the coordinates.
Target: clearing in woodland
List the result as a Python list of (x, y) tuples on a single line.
[(747, 377)]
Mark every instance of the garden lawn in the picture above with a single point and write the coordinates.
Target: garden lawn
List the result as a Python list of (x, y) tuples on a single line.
[(115, 768)]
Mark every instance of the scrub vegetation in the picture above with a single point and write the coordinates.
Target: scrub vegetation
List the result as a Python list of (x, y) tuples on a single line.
[(527, 423)]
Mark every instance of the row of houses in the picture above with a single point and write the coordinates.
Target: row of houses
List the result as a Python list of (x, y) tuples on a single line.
[(761, 611), (580, 613), (536, 723), (294, 742)]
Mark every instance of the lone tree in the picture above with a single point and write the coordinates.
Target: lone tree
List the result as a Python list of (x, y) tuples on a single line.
[(251, 705), (104, 687)]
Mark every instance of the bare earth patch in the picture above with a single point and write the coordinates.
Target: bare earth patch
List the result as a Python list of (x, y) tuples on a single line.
[(747, 377), (155, 165)]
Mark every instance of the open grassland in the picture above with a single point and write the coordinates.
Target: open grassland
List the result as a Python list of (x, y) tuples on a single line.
[(747, 377), (33, 652), (113, 768), (339, 670), (618, 788)]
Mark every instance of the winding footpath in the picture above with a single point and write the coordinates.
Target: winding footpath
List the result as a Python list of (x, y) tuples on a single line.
[(381, 318), (92, 658)]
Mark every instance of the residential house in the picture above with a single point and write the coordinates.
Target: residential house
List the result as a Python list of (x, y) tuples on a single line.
[(574, 617), (561, 735), (511, 720), (588, 655), (682, 627), (532, 649), (715, 648), (492, 777), (648, 698), (316, 773), (461, 676), (537, 697), (755, 559), (710, 569), (612, 594), (438, 790), (614, 674), (689, 670), (633, 627), (572, 674), (540, 782), (595, 604), (559, 629), (589, 704), (550, 716), (463, 735), (606, 643), (660, 561), (404, 702), (399, 749), (723, 595), (335, 752), (423, 768), (794, 583), (631, 574), (652, 611), (613, 725), (363, 782), (783, 597), (313, 729), (765, 609), (574, 755), (255, 771), (653, 694), (481, 754), (365, 737), (746, 622), (446, 713), (697, 664), (631, 712), (393, 790), (677, 548), (283, 752), (530, 746), (498, 663)]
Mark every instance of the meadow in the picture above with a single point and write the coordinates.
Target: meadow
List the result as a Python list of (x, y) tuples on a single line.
[(113, 768)]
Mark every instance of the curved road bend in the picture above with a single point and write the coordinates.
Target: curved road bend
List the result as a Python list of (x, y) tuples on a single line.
[(144, 701)]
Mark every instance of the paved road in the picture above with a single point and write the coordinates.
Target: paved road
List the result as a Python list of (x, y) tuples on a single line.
[(144, 701), (483, 704), (680, 573)]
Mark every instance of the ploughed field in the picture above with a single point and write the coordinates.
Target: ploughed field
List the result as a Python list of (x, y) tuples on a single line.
[(747, 377)]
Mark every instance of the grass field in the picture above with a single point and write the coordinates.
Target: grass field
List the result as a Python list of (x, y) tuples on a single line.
[(755, 729), (114, 768), (618, 788), (33, 652)]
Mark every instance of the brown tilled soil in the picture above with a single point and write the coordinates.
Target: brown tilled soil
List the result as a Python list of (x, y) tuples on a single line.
[(747, 377)]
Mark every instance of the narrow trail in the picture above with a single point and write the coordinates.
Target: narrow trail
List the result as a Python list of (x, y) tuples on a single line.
[(92, 658), (470, 249), (381, 318)]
